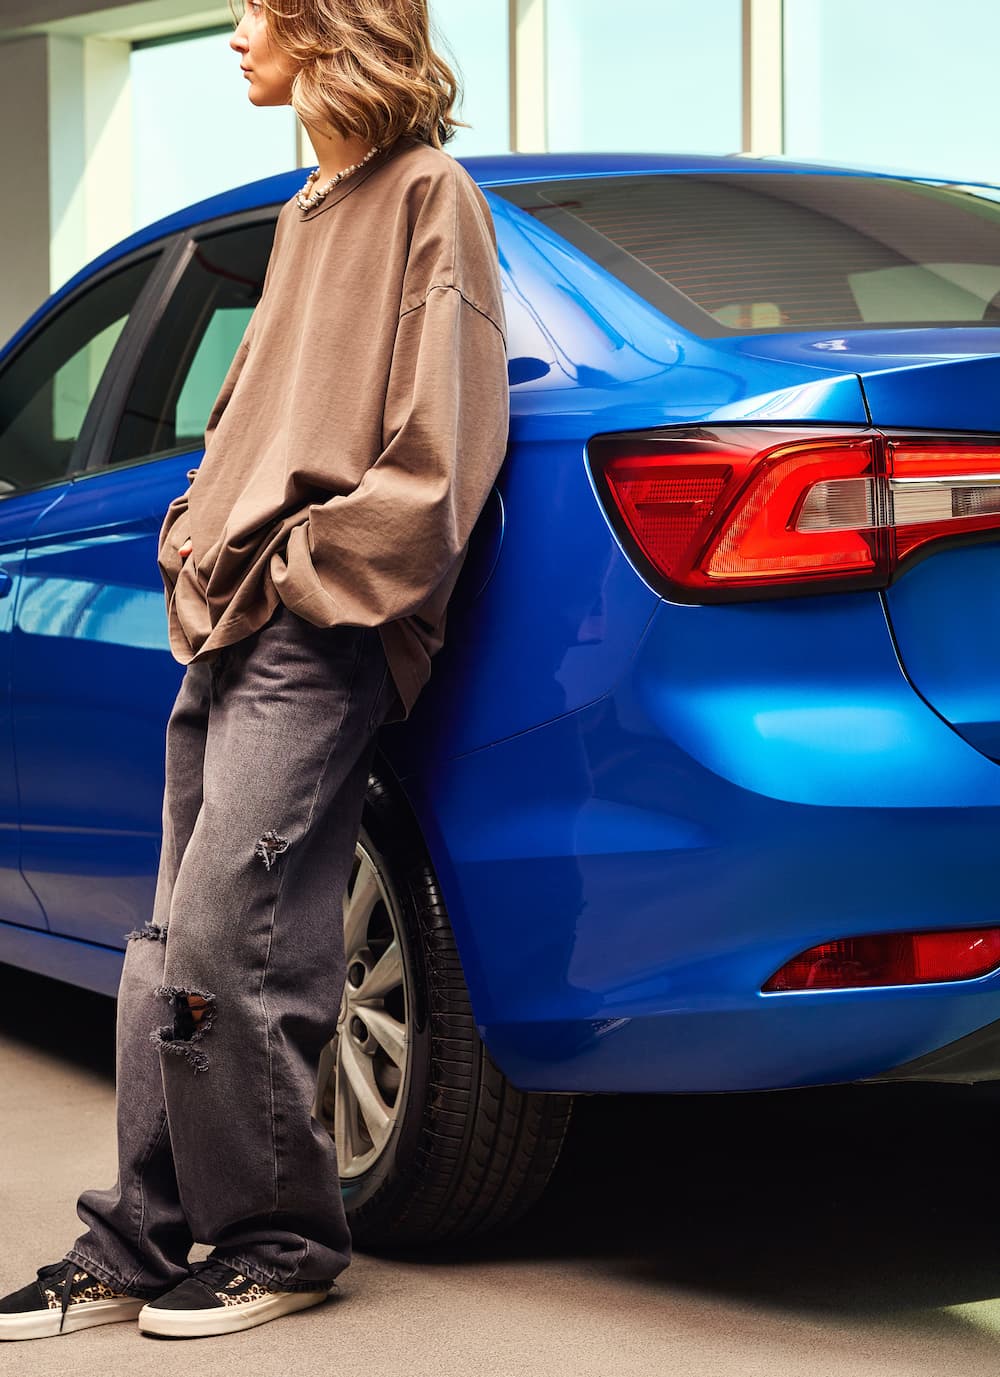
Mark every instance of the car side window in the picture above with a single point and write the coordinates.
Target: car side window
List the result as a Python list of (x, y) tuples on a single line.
[(185, 363), (47, 387)]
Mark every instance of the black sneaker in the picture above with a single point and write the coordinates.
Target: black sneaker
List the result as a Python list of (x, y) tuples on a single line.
[(217, 1299), (63, 1298)]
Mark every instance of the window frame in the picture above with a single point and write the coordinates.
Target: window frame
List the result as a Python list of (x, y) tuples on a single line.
[(157, 250), (124, 360), (109, 416)]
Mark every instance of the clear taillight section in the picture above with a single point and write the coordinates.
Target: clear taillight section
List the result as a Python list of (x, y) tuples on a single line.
[(737, 512), (942, 489), (891, 958)]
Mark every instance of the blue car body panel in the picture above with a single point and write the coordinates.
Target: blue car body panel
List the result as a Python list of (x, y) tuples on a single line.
[(637, 810), (731, 803), (944, 611), (18, 514), (946, 618), (92, 684)]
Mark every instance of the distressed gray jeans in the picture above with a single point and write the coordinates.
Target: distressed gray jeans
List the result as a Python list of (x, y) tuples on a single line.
[(268, 750)]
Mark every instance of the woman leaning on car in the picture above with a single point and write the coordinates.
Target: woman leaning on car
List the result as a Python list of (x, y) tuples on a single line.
[(307, 570)]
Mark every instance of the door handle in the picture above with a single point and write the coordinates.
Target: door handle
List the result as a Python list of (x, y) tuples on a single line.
[(6, 583)]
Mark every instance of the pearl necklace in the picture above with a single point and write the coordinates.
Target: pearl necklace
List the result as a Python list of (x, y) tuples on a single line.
[(304, 201)]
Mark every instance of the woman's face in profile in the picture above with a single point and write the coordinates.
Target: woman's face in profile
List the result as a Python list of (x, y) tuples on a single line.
[(267, 68)]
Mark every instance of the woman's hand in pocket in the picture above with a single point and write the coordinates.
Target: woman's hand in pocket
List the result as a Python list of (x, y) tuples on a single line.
[(185, 549)]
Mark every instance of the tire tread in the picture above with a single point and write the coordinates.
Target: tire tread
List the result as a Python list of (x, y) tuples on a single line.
[(486, 1149)]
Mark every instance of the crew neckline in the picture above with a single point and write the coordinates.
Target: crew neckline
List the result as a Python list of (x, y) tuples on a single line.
[(352, 183)]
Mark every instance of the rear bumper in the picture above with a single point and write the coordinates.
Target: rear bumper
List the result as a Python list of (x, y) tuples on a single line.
[(622, 881), (975, 1057), (824, 1042)]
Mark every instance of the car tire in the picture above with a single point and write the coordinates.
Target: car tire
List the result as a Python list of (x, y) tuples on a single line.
[(460, 1152)]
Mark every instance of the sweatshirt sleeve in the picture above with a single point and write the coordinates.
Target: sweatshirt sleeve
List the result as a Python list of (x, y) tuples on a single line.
[(377, 553)]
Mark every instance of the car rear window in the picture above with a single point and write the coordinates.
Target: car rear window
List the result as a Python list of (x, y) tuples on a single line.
[(755, 253)]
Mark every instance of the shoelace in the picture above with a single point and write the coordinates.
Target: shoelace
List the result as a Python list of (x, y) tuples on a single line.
[(50, 1273), (211, 1271)]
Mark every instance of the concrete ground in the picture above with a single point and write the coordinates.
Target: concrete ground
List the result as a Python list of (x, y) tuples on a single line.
[(815, 1233)]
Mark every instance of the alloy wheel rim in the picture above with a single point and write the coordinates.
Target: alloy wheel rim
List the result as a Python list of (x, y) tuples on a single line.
[(369, 1053)]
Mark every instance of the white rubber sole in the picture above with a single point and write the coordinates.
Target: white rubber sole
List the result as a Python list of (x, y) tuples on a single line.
[(224, 1319), (44, 1324)]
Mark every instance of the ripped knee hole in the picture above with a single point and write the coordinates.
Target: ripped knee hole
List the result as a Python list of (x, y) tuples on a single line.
[(270, 847), (150, 932), (193, 1015)]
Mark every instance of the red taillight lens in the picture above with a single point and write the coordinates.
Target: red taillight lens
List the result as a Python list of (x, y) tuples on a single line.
[(769, 535), (745, 513), (910, 958), (669, 508)]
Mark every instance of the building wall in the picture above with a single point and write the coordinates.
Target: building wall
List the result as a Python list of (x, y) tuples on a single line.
[(107, 126)]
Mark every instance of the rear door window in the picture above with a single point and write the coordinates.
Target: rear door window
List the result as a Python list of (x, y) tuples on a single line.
[(186, 361), (752, 253)]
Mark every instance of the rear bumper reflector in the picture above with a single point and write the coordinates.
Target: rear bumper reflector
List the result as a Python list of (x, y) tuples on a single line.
[(890, 958)]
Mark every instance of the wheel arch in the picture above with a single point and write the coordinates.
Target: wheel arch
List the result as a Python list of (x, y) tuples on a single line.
[(415, 793)]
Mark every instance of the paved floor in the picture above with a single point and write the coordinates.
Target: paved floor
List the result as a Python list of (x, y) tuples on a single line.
[(820, 1234)]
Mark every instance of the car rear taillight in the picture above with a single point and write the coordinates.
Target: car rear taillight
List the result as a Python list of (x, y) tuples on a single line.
[(891, 958), (724, 513)]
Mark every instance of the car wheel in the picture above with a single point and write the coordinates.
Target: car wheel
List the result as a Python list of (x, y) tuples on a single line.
[(433, 1141)]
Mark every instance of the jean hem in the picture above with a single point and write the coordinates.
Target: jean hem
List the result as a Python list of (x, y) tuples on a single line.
[(102, 1273), (261, 1275)]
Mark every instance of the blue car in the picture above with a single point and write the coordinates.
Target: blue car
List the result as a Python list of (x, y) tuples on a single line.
[(704, 793)]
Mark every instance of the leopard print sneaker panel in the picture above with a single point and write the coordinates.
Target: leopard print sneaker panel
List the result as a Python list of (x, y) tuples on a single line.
[(233, 1296), (96, 1291)]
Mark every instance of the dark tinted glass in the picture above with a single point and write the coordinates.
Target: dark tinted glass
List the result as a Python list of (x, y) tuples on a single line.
[(47, 388), (746, 253), (183, 368)]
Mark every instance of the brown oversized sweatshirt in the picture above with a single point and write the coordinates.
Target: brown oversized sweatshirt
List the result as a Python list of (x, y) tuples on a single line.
[(361, 424)]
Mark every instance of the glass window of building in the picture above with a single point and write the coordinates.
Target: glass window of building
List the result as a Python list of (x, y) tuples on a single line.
[(894, 85), (213, 139), (473, 37), (196, 132), (644, 76)]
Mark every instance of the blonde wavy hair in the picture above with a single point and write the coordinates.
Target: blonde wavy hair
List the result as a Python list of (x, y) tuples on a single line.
[(365, 67)]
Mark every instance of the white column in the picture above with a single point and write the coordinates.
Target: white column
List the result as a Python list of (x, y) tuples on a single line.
[(528, 77), (90, 150), (763, 77), (305, 155)]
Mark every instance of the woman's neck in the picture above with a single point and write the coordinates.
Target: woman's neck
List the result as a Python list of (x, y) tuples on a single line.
[(334, 151)]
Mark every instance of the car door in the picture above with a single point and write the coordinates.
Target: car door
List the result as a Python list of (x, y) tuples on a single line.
[(49, 381), (93, 677)]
